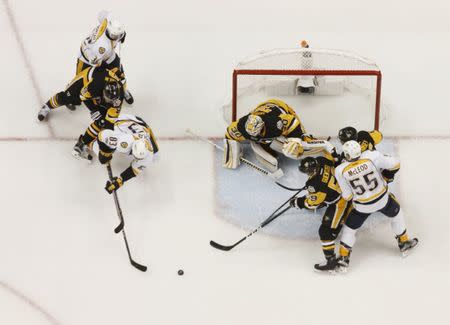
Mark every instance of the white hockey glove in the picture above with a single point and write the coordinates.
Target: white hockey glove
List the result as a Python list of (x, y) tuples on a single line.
[(232, 154), (293, 148)]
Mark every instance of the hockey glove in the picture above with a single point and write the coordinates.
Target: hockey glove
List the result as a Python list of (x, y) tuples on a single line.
[(122, 40), (114, 185), (297, 202), (389, 175)]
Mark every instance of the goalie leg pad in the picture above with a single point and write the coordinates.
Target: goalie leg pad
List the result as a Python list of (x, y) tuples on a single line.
[(232, 154), (265, 157)]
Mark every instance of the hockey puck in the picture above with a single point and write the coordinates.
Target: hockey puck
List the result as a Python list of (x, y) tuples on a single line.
[(180, 272)]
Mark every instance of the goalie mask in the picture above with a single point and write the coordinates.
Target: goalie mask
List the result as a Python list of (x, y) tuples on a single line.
[(351, 150), (111, 93), (254, 125), (348, 133), (309, 166)]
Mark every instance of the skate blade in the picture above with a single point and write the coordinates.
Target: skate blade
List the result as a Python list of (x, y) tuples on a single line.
[(342, 270), (408, 251), (326, 272), (77, 155)]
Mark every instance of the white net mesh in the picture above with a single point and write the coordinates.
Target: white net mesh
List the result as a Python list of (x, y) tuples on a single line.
[(343, 86)]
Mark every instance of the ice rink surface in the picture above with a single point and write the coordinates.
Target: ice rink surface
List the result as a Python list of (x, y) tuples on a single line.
[(60, 261)]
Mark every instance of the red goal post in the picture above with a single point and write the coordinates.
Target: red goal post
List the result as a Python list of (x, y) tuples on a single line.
[(309, 62)]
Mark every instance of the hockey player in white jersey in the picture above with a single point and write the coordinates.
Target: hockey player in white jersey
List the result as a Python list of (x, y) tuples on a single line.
[(99, 48), (131, 137), (363, 179)]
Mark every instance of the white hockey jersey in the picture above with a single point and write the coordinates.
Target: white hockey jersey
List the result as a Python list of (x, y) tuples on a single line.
[(127, 129), (97, 47), (362, 182)]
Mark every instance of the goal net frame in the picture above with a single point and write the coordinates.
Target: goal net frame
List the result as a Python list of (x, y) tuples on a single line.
[(369, 69)]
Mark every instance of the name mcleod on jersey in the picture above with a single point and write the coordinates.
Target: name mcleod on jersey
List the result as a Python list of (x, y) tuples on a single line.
[(358, 169)]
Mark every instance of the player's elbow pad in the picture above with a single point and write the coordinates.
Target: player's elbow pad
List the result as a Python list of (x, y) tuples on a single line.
[(104, 157)]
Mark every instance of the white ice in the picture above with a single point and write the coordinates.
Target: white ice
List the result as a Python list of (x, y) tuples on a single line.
[(61, 263)]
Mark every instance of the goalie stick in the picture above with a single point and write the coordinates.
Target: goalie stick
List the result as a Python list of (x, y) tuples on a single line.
[(271, 218), (275, 175), (120, 227)]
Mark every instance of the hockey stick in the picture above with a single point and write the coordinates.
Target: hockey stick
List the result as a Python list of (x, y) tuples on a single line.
[(271, 218), (289, 188), (275, 175), (120, 227)]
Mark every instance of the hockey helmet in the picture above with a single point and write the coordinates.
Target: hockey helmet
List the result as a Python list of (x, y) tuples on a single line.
[(348, 133), (254, 125), (351, 150), (115, 29), (139, 149), (111, 93), (309, 165)]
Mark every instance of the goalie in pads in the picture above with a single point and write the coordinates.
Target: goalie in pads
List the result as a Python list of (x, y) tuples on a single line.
[(272, 127)]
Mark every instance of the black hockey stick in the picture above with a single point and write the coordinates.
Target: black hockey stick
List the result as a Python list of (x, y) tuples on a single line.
[(289, 188), (140, 267), (271, 218), (119, 228)]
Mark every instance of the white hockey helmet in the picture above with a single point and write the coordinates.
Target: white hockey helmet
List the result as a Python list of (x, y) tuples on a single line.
[(115, 29), (351, 150), (254, 125), (139, 149)]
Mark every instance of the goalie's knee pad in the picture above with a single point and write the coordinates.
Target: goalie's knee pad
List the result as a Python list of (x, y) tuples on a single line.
[(232, 154), (265, 156)]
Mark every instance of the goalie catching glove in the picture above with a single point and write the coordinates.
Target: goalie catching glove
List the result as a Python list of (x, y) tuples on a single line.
[(114, 185), (293, 148)]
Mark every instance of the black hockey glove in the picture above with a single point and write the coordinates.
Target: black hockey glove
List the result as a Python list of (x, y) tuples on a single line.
[(122, 40), (114, 185), (297, 202), (388, 175)]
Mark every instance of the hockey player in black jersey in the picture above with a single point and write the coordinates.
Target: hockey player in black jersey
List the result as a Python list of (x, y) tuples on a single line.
[(105, 110), (366, 139), (323, 191)]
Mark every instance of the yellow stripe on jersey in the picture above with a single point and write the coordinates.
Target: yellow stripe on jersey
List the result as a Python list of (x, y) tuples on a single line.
[(101, 29), (338, 213), (373, 197), (355, 164)]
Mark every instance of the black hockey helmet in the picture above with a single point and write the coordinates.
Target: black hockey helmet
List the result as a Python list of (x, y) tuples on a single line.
[(348, 133), (308, 165), (112, 93)]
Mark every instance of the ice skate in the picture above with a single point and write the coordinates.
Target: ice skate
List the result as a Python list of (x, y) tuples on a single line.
[(406, 246), (80, 150), (328, 266), (43, 112), (342, 264)]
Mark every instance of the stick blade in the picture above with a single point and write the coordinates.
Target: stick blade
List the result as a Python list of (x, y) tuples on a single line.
[(140, 267), (119, 228), (221, 247)]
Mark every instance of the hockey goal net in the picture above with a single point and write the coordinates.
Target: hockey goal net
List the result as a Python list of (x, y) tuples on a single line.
[(329, 89)]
